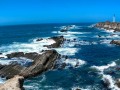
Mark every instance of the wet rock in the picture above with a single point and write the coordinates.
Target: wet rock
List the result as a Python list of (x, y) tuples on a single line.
[(118, 68), (15, 83), (59, 40), (78, 89), (99, 36), (0, 53), (77, 64), (41, 63), (63, 65), (116, 42), (16, 54), (40, 39), (63, 30), (105, 83), (118, 83), (108, 25)]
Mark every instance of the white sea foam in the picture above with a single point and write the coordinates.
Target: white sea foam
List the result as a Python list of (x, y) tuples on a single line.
[(34, 46), (74, 62), (111, 82), (105, 41), (70, 32), (67, 51), (3, 56), (110, 31), (30, 87), (21, 60), (107, 78), (102, 68), (70, 36), (2, 80)]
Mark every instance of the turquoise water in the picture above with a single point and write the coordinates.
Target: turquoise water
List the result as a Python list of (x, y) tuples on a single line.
[(95, 57)]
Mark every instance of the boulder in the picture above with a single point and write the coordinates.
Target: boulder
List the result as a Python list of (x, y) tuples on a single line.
[(15, 83)]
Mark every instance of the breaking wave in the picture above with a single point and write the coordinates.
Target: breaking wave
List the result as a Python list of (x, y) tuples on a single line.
[(107, 78)]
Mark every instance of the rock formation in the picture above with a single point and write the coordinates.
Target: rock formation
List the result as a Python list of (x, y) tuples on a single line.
[(59, 40), (40, 63), (116, 42), (15, 83), (109, 25)]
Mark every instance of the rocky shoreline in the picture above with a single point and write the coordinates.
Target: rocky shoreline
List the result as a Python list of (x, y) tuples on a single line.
[(114, 27), (109, 26), (41, 63)]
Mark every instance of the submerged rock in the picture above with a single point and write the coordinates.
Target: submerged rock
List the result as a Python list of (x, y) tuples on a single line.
[(15, 83)]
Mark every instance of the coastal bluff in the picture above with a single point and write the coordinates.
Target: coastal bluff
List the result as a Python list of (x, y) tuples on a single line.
[(108, 25)]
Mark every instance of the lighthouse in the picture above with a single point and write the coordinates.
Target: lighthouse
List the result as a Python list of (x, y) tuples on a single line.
[(114, 18)]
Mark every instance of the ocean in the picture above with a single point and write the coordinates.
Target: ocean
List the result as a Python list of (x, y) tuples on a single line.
[(91, 58)]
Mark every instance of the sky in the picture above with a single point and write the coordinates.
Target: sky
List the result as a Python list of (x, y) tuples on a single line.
[(57, 11)]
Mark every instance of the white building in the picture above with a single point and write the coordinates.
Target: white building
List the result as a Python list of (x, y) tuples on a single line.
[(114, 18)]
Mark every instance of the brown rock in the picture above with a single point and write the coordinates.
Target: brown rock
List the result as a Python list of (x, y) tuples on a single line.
[(40, 64), (116, 42), (109, 25), (15, 83)]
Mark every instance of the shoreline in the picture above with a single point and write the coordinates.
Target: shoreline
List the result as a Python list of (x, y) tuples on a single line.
[(41, 63), (109, 26)]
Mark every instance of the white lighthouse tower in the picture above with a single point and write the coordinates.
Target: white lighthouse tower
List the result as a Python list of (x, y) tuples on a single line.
[(114, 18)]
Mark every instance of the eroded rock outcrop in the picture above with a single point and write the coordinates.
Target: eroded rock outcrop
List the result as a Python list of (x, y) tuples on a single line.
[(15, 83), (109, 25), (40, 64)]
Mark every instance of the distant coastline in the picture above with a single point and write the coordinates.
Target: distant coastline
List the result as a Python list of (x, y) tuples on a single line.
[(115, 26)]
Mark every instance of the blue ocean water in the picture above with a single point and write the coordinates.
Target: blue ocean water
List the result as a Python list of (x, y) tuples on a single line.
[(86, 46)]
